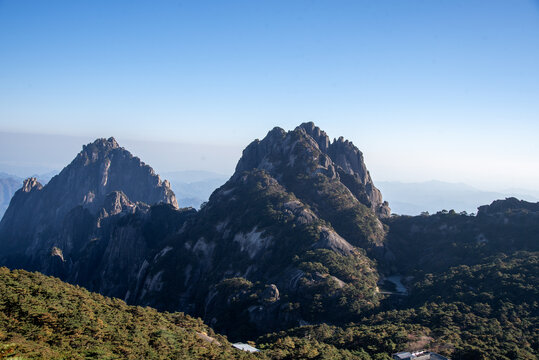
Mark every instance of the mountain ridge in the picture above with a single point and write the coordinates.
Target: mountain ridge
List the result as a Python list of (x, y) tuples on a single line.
[(298, 237)]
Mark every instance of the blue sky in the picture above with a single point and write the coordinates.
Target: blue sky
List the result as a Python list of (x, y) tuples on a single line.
[(427, 89)]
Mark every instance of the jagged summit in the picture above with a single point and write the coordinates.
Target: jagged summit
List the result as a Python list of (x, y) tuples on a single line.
[(308, 150), (317, 134), (103, 166), (31, 184), (98, 148), (103, 142), (99, 169)]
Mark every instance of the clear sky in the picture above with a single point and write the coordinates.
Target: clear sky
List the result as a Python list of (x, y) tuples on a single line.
[(442, 89)]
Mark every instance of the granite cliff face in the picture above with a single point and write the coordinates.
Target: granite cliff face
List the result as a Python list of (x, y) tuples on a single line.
[(99, 169), (60, 228)]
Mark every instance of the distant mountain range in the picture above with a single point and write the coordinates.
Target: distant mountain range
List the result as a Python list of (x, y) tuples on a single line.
[(194, 187), (433, 196)]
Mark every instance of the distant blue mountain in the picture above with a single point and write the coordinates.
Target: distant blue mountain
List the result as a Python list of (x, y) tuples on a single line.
[(433, 196), (8, 185)]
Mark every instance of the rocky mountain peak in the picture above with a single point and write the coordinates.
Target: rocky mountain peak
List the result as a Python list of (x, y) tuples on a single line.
[(349, 158), (317, 134), (103, 143), (307, 150), (276, 133), (103, 167), (99, 149), (104, 179), (31, 184)]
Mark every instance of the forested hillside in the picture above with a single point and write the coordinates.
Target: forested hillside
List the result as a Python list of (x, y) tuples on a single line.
[(44, 318)]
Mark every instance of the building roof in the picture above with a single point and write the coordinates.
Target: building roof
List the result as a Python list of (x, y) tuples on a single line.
[(245, 347), (403, 355), (419, 355)]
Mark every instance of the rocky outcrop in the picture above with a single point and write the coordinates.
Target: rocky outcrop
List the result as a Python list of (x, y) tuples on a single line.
[(330, 240), (31, 184)]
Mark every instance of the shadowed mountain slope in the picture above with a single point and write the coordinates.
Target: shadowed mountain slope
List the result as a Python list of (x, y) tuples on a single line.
[(64, 228)]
